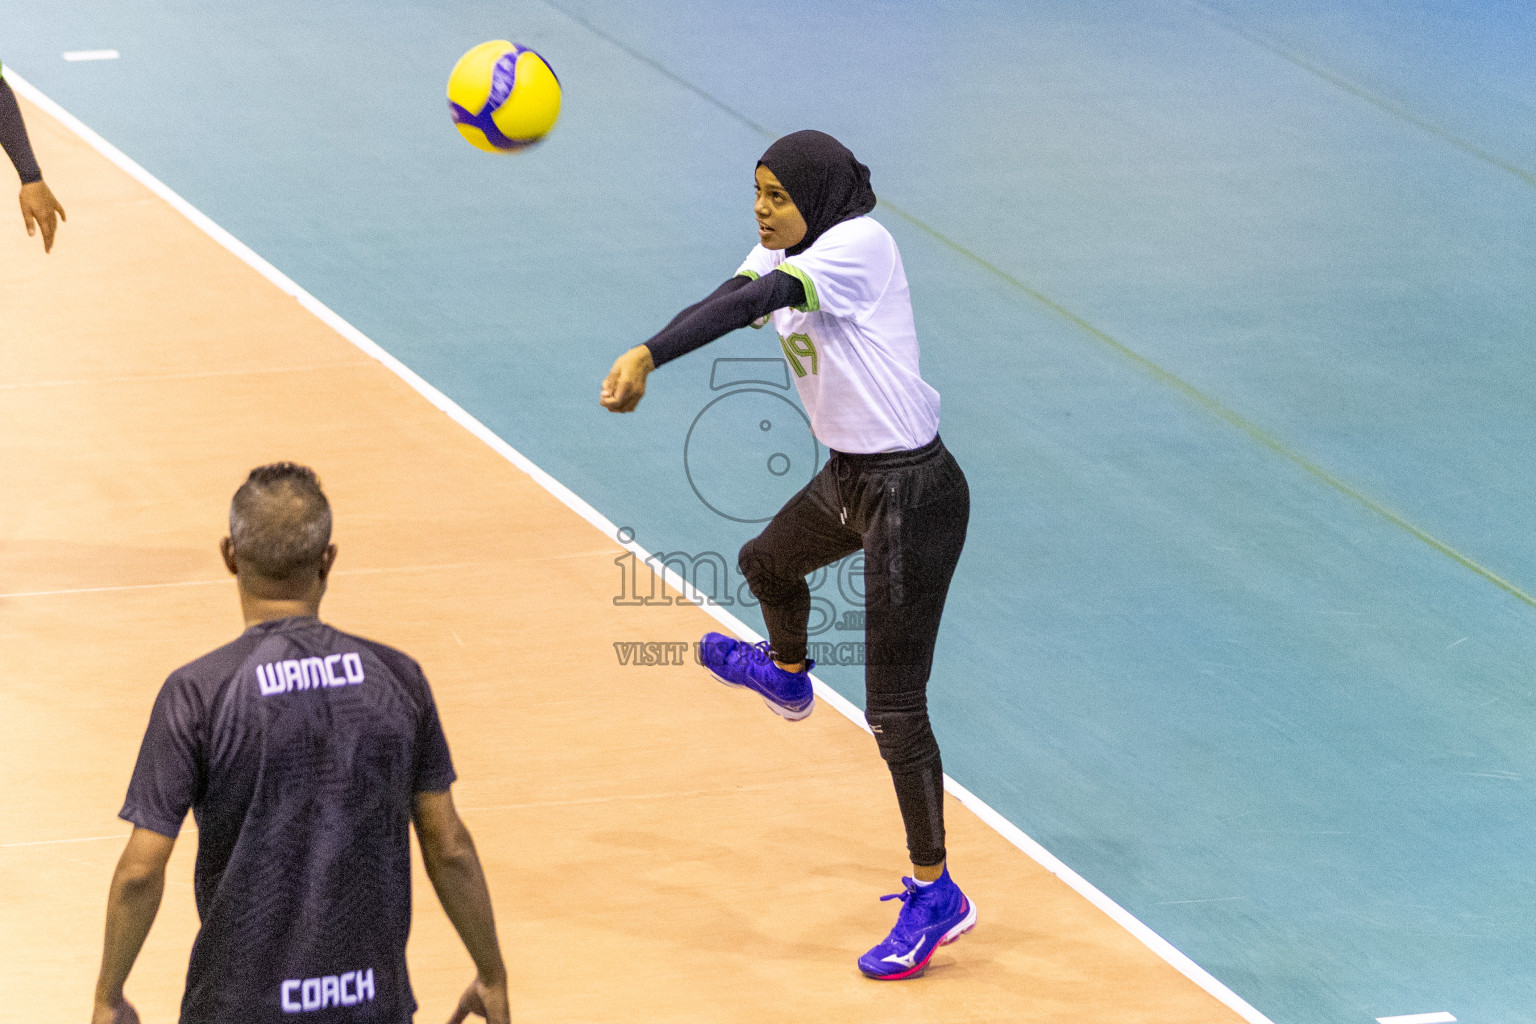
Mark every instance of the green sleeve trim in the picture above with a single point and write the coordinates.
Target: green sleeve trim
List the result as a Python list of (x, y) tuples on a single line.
[(750, 275), (812, 304)]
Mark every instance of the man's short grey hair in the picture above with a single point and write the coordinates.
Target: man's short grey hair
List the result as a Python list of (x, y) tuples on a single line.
[(280, 521)]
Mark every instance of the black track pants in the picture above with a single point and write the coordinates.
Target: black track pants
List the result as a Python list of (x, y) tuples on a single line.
[(908, 511)]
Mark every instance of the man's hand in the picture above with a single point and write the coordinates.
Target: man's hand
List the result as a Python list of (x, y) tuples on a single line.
[(625, 384), (479, 1000), (38, 207), (454, 868), (120, 1012), (137, 885)]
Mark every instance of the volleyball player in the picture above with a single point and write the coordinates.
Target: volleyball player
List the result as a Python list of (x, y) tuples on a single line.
[(830, 279), (39, 209)]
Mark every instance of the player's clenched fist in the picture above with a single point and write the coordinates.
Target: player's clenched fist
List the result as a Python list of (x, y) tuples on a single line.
[(625, 384)]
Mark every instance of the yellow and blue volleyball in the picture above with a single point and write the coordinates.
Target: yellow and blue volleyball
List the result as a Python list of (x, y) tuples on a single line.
[(503, 97)]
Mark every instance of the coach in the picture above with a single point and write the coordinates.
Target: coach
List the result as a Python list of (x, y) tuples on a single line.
[(303, 753)]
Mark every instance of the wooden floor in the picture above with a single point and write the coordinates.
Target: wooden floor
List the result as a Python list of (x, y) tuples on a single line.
[(660, 848)]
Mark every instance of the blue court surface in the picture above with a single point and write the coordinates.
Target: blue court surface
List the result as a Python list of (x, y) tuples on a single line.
[(1231, 307)]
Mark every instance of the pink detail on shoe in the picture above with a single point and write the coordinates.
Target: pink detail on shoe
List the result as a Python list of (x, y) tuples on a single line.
[(919, 968), (916, 969)]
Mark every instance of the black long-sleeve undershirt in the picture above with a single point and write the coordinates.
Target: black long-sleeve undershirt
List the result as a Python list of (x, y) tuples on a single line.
[(736, 303), (13, 136)]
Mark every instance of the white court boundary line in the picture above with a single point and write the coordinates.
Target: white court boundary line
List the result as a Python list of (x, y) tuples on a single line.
[(1009, 831)]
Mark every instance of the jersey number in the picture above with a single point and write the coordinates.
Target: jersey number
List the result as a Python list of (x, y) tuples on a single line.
[(797, 347)]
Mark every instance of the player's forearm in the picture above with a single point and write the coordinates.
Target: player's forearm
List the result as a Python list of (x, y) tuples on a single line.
[(723, 312), (131, 907), (460, 885), (13, 136), (729, 286)]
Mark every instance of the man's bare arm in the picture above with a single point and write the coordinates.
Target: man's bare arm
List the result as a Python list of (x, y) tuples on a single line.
[(132, 903), (454, 867)]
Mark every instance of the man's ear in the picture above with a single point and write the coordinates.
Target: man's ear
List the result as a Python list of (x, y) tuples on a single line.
[(227, 549), (327, 560)]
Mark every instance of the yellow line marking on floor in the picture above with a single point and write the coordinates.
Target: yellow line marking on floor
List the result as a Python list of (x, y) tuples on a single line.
[(379, 570), (155, 378)]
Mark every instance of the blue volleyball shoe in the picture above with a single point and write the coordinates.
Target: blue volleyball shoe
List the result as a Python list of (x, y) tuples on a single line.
[(931, 916), (738, 663)]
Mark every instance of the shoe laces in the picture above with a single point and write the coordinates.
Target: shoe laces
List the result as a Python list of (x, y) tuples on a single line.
[(906, 894), (910, 898)]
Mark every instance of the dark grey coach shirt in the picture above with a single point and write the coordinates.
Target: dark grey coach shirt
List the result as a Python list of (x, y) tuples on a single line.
[(298, 748)]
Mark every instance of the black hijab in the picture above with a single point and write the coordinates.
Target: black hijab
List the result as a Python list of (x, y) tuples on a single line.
[(824, 179)]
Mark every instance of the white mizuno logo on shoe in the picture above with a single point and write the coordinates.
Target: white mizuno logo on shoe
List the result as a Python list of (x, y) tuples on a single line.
[(910, 959)]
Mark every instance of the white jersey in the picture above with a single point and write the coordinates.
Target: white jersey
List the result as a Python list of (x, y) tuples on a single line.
[(852, 346)]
